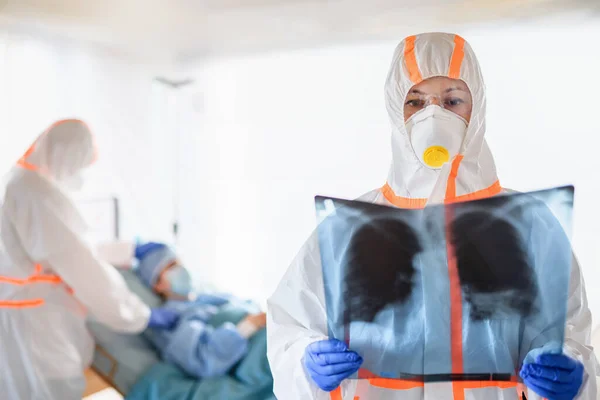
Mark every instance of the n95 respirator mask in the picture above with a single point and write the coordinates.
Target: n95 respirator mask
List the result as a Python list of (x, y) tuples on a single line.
[(436, 135)]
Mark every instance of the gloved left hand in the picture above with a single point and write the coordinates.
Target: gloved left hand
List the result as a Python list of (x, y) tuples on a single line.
[(163, 318), (554, 376), (329, 362)]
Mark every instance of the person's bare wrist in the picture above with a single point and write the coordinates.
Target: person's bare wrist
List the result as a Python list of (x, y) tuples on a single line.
[(246, 328)]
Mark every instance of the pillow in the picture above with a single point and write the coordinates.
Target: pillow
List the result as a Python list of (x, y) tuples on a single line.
[(117, 253), (137, 287)]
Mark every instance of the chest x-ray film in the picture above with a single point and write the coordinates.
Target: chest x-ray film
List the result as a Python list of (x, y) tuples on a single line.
[(467, 291)]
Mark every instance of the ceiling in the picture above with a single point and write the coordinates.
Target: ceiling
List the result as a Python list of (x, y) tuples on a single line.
[(185, 30)]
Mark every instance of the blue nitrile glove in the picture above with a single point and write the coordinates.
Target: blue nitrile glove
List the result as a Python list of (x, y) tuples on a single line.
[(163, 318), (142, 249), (329, 362), (554, 376)]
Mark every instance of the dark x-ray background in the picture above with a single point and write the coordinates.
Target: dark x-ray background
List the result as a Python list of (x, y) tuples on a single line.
[(387, 283)]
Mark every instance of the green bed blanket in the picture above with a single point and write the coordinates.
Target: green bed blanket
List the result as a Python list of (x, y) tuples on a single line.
[(250, 379)]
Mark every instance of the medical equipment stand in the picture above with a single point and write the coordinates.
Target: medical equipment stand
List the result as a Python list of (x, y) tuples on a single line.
[(174, 113)]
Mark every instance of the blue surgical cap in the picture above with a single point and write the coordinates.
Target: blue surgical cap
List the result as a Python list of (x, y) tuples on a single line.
[(153, 263)]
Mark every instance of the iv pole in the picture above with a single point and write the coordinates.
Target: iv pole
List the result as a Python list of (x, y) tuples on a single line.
[(175, 114)]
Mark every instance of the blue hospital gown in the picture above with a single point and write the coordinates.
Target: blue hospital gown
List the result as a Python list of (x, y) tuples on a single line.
[(195, 346)]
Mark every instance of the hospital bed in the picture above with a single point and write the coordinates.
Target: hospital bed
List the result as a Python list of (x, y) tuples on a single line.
[(131, 365), (121, 359)]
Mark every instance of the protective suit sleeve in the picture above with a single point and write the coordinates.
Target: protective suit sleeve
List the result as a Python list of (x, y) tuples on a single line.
[(577, 332), (203, 351), (296, 317), (50, 240)]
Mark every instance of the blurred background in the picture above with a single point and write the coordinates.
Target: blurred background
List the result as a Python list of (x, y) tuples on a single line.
[(224, 118)]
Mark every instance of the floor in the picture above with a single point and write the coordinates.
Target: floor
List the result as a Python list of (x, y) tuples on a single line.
[(98, 389)]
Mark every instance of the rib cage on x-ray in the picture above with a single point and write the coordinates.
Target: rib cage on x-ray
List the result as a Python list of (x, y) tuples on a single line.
[(387, 281), (494, 269), (380, 268)]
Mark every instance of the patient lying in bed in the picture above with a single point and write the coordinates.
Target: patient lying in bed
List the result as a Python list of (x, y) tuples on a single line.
[(194, 344)]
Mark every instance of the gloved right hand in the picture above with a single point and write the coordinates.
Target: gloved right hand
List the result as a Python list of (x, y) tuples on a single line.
[(163, 318), (554, 376), (329, 362)]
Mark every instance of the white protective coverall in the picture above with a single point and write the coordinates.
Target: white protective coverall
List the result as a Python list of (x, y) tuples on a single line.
[(50, 277), (296, 311)]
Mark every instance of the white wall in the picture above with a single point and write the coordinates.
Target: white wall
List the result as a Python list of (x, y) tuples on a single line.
[(42, 81), (278, 129), (543, 129)]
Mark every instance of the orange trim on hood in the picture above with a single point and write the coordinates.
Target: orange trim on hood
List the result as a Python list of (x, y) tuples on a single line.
[(457, 57), (23, 163), (411, 60)]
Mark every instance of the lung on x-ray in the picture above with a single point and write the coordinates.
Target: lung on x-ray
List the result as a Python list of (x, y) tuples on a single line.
[(463, 290)]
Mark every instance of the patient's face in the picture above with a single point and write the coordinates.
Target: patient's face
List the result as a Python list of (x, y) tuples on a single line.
[(162, 286), (173, 283)]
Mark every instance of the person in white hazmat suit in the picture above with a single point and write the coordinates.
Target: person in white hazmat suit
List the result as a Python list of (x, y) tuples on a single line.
[(435, 98), (50, 278)]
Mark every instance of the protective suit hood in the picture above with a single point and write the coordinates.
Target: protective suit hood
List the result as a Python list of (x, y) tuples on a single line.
[(471, 174), (62, 151)]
